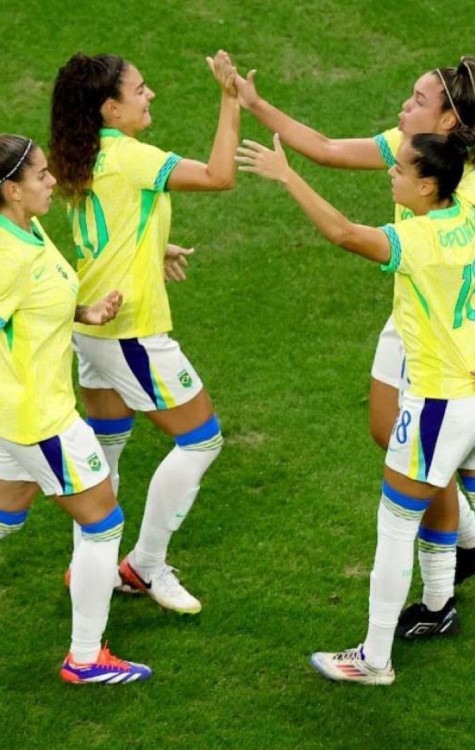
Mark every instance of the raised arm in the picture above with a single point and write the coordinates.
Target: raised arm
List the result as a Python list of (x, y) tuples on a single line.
[(369, 242), (343, 153), (219, 173)]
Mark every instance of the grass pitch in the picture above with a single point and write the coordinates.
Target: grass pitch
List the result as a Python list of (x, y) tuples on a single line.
[(282, 329)]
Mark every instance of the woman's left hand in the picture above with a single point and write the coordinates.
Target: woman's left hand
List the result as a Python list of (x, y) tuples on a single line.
[(253, 157), (175, 262), (224, 71), (100, 312)]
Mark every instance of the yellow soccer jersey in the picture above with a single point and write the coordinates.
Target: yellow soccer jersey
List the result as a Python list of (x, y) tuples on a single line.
[(388, 144), (121, 231), (434, 307), (38, 291)]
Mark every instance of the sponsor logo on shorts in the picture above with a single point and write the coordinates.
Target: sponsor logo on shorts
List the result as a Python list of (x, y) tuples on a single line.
[(94, 462), (185, 379)]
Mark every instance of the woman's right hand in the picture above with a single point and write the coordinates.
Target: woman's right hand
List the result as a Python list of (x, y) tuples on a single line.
[(224, 71), (246, 88)]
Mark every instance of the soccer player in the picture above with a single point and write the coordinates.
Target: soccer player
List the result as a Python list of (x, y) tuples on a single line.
[(43, 442), (442, 101), (433, 257), (119, 195)]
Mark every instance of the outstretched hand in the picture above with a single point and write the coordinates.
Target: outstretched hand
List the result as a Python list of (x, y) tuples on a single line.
[(246, 89), (175, 262), (224, 71), (253, 157)]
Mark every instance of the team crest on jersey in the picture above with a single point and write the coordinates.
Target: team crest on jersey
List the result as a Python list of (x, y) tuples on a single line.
[(185, 379), (94, 462)]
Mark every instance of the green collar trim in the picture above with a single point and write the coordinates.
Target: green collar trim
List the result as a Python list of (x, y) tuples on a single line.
[(110, 133), (446, 213), (33, 237)]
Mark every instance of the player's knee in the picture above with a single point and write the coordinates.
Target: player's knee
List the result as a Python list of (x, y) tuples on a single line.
[(11, 522), (206, 438), (105, 530)]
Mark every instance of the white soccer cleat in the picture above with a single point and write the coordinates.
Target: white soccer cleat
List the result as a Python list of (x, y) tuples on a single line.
[(163, 586), (351, 666)]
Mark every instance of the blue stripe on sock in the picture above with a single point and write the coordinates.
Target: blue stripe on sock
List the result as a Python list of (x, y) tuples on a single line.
[(114, 518), (468, 483), (448, 538), (208, 430), (13, 519), (405, 501), (110, 426)]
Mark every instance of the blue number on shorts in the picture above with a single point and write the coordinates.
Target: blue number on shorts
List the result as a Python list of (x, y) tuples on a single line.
[(400, 428), (90, 203), (464, 300)]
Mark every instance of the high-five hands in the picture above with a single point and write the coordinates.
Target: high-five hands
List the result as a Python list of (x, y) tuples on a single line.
[(268, 163)]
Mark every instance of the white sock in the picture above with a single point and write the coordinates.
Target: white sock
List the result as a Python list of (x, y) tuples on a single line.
[(391, 576), (171, 493), (437, 562), (92, 581), (112, 445), (466, 538)]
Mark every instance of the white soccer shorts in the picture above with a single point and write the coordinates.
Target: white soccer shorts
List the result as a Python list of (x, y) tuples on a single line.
[(389, 363), (149, 373), (432, 438), (64, 464)]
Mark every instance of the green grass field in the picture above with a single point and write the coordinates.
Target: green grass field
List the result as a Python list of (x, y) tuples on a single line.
[(282, 329)]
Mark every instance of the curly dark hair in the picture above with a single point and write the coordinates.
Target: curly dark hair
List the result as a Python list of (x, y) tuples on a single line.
[(81, 88)]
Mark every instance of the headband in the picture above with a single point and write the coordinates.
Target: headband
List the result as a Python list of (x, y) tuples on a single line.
[(451, 101), (469, 71), (19, 162)]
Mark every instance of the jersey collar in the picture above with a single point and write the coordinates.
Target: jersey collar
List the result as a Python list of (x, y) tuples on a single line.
[(110, 133), (446, 213), (33, 237)]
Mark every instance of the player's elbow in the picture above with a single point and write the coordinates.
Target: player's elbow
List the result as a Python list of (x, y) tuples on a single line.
[(223, 182)]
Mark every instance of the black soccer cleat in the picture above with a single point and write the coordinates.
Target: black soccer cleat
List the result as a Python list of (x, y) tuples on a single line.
[(465, 565), (417, 621)]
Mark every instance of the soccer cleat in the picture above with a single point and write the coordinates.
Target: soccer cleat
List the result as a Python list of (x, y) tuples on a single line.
[(351, 666), (417, 621), (107, 670), (465, 565), (163, 586)]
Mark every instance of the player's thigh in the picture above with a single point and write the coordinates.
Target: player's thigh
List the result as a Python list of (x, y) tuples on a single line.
[(383, 410), (104, 403), (388, 380), (91, 505), (17, 495), (442, 514), (183, 418)]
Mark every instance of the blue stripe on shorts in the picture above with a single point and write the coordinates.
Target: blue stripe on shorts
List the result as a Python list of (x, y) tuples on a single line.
[(53, 453), (137, 358), (432, 416)]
